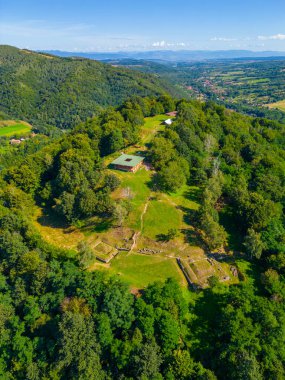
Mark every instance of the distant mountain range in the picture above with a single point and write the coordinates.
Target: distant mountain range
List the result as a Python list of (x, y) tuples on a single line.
[(173, 56)]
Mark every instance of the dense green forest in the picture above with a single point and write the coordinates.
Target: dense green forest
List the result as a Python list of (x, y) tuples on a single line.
[(49, 91), (60, 321), (239, 163)]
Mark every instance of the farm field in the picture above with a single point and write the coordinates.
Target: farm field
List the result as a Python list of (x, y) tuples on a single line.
[(14, 128), (145, 253), (241, 82), (279, 105)]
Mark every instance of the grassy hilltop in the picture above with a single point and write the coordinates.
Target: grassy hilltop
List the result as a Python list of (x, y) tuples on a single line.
[(152, 215)]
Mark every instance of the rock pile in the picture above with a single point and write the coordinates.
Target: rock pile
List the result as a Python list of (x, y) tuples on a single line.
[(150, 251)]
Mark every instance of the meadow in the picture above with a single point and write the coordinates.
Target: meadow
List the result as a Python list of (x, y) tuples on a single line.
[(10, 128), (279, 105), (140, 270)]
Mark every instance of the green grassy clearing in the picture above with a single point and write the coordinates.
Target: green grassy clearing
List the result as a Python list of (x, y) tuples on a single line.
[(140, 270), (186, 196), (11, 128), (151, 127), (55, 232), (134, 186), (232, 73), (256, 81), (159, 218), (250, 271)]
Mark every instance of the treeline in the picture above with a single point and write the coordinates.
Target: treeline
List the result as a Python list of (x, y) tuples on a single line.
[(49, 91)]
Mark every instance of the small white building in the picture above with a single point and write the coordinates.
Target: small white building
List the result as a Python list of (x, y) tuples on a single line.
[(168, 122)]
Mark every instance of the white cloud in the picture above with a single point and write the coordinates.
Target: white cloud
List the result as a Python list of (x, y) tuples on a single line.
[(278, 36), (163, 44), (224, 39), (159, 44)]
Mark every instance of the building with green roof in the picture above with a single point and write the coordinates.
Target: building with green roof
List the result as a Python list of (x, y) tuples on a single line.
[(127, 163)]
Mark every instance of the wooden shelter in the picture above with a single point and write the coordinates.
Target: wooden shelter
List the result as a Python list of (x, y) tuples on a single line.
[(127, 163)]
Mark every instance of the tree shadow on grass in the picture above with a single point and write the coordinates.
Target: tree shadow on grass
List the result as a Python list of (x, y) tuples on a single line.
[(192, 237), (193, 194), (153, 184), (251, 271), (190, 216), (53, 220), (102, 226), (233, 228), (164, 238)]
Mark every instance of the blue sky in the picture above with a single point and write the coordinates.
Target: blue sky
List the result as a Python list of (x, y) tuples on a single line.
[(113, 25)]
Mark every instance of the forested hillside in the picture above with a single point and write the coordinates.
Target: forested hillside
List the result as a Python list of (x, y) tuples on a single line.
[(59, 319), (50, 91), (239, 163)]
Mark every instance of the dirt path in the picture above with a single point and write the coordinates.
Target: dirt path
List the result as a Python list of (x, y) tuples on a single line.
[(137, 234), (142, 215)]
